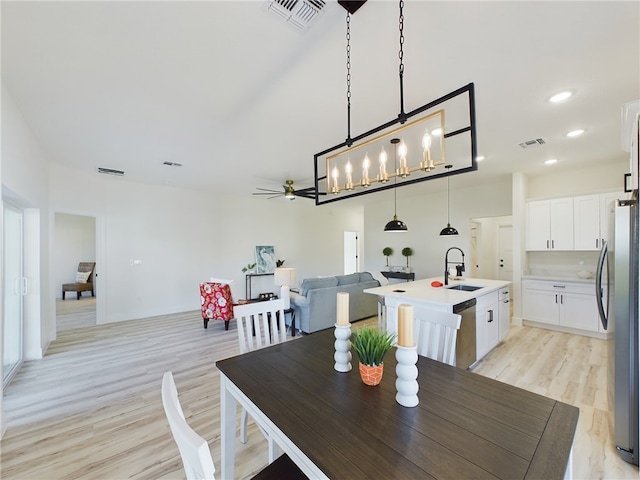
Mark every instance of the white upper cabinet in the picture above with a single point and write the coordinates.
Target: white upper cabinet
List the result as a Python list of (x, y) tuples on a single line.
[(591, 214), (550, 224), (586, 222), (569, 223)]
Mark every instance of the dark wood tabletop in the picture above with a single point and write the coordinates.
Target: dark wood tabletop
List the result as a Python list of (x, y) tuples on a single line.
[(465, 426)]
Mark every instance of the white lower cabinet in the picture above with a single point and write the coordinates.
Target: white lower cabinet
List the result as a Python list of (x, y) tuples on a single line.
[(487, 323), (566, 304)]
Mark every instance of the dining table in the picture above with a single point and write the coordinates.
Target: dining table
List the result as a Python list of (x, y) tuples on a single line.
[(334, 426)]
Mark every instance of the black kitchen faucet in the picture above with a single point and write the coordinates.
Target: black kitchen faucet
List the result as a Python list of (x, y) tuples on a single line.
[(459, 268)]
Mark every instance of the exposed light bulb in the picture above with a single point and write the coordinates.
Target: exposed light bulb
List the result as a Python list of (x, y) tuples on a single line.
[(382, 176), (365, 171)]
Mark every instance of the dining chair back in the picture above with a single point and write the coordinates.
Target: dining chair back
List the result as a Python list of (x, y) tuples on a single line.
[(435, 334), (260, 324), (194, 450)]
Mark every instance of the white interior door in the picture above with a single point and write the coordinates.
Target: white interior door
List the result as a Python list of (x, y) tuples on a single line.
[(350, 252), (505, 252), (14, 291)]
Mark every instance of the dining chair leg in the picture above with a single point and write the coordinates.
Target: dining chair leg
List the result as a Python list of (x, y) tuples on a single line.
[(274, 450), (243, 426)]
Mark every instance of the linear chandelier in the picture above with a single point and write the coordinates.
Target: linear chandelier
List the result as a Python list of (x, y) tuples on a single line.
[(428, 140)]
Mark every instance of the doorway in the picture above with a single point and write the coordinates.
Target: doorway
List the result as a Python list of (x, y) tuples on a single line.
[(492, 247), (351, 261), (74, 241)]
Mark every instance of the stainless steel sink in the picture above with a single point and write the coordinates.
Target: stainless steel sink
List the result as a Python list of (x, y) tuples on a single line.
[(464, 288)]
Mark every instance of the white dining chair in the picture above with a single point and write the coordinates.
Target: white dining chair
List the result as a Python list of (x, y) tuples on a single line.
[(194, 450), (260, 324), (435, 334)]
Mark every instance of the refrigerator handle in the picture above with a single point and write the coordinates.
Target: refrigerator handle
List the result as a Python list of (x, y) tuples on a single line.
[(627, 176), (599, 273)]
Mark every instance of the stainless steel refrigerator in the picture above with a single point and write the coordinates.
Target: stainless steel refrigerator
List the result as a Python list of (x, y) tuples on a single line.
[(617, 293)]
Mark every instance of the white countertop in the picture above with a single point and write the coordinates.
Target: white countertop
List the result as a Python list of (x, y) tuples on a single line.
[(559, 278), (422, 291)]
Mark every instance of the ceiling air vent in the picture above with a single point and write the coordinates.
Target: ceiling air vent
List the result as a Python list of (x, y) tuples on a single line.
[(533, 143), (299, 13), (172, 164), (110, 171)]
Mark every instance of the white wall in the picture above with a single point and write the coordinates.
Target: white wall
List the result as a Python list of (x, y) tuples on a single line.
[(605, 178), (425, 215), (74, 241), (179, 238)]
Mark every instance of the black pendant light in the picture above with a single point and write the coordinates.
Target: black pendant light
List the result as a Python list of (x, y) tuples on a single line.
[(395, 225), (448, 230)]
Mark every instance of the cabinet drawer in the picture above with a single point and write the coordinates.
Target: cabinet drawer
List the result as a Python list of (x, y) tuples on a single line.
[(559, 286), (486, 300)]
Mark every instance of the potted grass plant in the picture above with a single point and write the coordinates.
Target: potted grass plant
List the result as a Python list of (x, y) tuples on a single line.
[(371, 345)]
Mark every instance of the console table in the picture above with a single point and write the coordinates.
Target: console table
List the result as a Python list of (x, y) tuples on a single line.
[(409, 277), (247, 282)]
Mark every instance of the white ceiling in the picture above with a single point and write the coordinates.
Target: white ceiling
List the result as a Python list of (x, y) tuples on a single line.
[(244, 100)]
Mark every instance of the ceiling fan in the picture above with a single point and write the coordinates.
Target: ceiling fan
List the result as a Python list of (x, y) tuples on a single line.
[(289, 192)]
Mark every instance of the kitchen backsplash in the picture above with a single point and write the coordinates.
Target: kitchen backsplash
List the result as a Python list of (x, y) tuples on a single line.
[(562, 264)]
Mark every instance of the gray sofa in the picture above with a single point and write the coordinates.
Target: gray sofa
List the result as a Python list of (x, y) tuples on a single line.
[(315, 304)]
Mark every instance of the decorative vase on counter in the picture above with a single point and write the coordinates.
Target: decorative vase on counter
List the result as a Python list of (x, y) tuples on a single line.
[(371, 374)]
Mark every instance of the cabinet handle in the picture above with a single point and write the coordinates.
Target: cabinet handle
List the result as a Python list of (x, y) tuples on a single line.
[(547, 243), (553, 244), (626, 188), (556, 298), (506, 301), (490, 316), (559, 286), (561, 299), (596, 243)]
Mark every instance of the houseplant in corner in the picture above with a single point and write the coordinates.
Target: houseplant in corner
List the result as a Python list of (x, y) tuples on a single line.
[(371, 345), (387, 252), (407, 252)]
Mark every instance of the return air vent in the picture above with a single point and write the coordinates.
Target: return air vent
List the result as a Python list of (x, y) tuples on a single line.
[(110, 171), (299, 13), (172, 164), (533, 143)]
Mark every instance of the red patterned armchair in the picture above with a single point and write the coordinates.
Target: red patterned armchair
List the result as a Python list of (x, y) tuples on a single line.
[(216, 302)]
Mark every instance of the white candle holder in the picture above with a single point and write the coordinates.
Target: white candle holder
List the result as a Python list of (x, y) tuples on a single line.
[(407, 372), (342, 356)]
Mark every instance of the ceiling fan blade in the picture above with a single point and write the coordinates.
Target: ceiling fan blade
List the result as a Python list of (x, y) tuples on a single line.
[(274, 196), (268, 190)]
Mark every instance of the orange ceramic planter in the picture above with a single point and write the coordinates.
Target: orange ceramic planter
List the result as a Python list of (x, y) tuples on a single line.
[(371, 375)]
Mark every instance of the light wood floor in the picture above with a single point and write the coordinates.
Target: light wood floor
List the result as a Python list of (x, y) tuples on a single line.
[(92, 409)]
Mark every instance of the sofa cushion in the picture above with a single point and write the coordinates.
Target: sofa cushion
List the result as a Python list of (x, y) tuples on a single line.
[(366, 277), (313, 283), (348, 279)]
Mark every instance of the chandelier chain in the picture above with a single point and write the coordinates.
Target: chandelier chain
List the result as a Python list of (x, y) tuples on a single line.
[(349, 141), (401, 116), (401, 27)]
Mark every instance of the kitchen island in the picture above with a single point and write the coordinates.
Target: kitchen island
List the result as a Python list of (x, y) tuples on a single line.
[(485, 310)]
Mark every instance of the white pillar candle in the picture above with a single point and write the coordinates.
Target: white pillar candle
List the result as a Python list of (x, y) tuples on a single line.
[(405, 325), (342, 309)]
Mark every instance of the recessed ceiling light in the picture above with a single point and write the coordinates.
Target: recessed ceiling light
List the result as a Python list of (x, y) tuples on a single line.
[(560, 97), (551, 161), (575, 133), (479, 158)]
